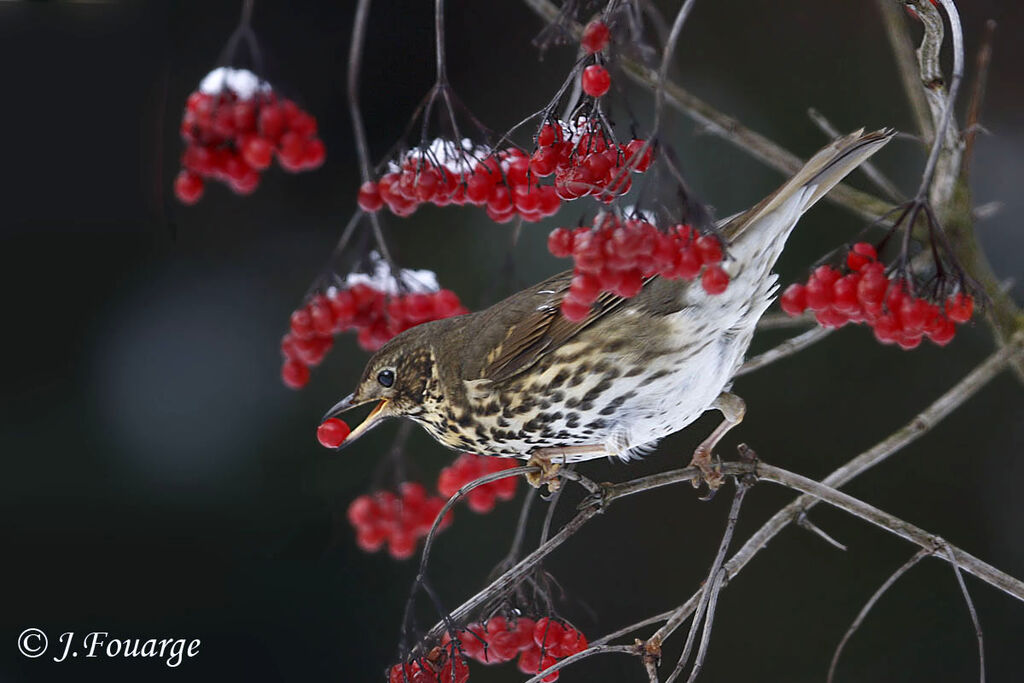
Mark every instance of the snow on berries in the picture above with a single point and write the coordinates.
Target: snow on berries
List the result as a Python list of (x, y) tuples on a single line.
[(376, 306), (398, 521), (862, 292), (506, 183), (332, 432), (617, 255), (444, 173), (233, 127), (467, 468), (595, 36), (538, 644)]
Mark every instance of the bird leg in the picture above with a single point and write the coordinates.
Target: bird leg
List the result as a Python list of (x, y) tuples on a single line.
[(547, 460), (733, 409)]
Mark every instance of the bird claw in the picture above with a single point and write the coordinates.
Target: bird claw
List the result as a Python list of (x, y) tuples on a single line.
[(598, 499), (710, 472), (548, 473)]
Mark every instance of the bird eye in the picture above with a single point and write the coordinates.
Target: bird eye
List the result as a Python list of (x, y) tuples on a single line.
[(386, 378)]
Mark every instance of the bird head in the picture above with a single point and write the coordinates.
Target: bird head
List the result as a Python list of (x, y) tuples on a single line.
[(397, 376)]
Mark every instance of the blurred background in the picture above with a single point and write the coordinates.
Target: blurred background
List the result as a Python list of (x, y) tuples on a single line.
[(161, 482)]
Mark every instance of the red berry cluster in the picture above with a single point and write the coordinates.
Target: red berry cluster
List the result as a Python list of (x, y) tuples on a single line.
[(232, 137), (538, 644), (585, 162), (616, 255), (595, 36), (375, 316), (467, 468), (501, 182), (440, 665), (399, 520), (863, 293)]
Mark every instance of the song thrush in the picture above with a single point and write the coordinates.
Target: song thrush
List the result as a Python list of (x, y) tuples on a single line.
[(520, 380)]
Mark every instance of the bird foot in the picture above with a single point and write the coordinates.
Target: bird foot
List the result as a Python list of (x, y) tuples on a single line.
[(548, 473), (711, 475)]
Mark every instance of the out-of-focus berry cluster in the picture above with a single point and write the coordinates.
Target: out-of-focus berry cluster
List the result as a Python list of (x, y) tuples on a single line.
[(617, 255), (440, 665), (862, 292), (538, 644), (398, 521), (467, 468), (233, 127)]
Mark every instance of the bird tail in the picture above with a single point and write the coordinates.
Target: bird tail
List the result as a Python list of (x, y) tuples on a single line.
[(757, 236), (812, 182)]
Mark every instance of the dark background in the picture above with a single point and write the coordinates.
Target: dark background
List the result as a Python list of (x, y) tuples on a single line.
[(160, 482)]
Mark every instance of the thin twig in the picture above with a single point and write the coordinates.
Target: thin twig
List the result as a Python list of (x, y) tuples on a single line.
[(705, 610), (904, 568), (972, 611), (972, 122)]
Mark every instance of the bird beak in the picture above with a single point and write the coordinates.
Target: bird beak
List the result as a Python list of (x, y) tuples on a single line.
[(375, 417)]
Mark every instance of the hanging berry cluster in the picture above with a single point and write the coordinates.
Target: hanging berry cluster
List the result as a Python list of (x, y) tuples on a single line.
[(538, 644), (467, 468), (370, 305), (396, 520), (584, 159), (617, 255), (233, 127), (440, 665), (400, 521), (862, 292)]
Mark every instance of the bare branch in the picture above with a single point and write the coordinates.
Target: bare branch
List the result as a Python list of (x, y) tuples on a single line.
[(924, 421), (895, 525)]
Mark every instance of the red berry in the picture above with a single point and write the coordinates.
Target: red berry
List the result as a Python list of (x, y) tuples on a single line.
[(714, 280), (294, 374), (575, 311), (595, 80), (595, 36), (633, 148), (709, 249), (257, 152), (369, 197), (332, 432), (794, 299), (188, 187), (960, 307), (271, 122), (860, 255)]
